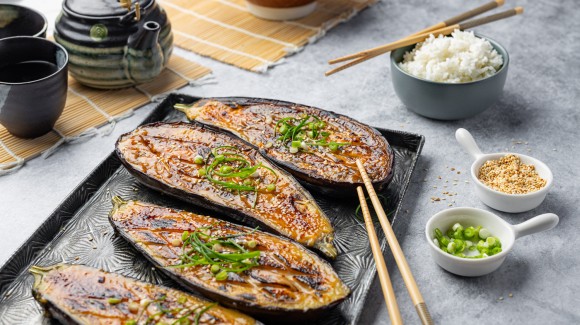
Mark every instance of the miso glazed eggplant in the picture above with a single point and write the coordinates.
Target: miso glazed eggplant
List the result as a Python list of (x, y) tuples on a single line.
[(317, 146), (76, 294), (263, 275), (223, 173)]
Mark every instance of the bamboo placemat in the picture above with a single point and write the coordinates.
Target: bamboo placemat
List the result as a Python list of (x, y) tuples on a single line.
[(224, 30), (86, 109)]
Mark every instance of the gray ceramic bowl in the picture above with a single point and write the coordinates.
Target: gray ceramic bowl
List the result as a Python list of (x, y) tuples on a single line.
[(447, 101)]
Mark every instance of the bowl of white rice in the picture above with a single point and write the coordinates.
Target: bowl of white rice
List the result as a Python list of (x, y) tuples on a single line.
[(450, 78)]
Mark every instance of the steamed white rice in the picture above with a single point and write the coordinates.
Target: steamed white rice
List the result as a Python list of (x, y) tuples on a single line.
[(456, 59)]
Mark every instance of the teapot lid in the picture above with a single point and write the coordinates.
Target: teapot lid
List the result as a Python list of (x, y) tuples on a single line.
[(100, 8)]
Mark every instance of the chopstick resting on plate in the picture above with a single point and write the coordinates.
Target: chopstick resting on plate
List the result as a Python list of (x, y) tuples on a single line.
[(387, 286), (406, 273), (365, 55)]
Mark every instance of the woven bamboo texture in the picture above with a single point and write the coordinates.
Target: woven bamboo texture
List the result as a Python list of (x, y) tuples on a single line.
[(87, 109), (225, 31)]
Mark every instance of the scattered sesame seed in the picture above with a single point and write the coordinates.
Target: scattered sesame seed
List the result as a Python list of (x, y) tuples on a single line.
[(511, 295)]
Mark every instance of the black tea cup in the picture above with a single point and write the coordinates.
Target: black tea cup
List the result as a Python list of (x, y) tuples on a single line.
[(33, 85), (17, 20)]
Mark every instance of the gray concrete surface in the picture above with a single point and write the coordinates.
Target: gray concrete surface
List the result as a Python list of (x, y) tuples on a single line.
[(539, 109)]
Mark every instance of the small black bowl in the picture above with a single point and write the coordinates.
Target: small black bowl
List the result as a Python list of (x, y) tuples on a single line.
[(21, 21), (33, 84)]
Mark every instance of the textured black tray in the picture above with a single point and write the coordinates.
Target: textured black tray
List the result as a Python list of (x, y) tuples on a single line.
[(78, 231)]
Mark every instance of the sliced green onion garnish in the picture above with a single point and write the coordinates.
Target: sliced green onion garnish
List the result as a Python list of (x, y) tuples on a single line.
[(460, 241), (223, 254), (229, 167), (198, 160), (303, 132), (114, 301), (221, 276), (484, 233)]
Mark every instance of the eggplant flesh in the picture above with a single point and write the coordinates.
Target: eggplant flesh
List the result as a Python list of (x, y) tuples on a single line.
[(256, 121), (77, 294), (288, 283), (163, 157)]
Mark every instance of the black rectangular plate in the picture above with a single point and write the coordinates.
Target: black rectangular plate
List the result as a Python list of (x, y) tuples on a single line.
[(78, 231)]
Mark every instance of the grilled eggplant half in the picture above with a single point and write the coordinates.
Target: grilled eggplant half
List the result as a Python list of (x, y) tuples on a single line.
[(317, 146), (261, 274), (223, 173), (76, 294)]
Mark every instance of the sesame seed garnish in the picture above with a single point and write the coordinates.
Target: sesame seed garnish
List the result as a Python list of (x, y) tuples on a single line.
[(509, 175)]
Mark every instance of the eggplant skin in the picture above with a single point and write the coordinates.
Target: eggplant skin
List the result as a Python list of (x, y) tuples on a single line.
[(289, 284), (161, 156), (254, 121), (77, 294)]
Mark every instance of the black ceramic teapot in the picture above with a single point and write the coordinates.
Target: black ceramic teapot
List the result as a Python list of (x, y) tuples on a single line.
[(114, 43)]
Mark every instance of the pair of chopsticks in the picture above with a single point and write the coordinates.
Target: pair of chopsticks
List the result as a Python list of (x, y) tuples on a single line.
[(388, 292), (442, 28)]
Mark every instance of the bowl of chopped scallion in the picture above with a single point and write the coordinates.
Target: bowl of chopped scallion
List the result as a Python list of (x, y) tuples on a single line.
[(475, 242)]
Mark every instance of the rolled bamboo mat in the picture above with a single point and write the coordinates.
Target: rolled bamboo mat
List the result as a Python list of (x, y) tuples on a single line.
[(87, 109), (225, 31)]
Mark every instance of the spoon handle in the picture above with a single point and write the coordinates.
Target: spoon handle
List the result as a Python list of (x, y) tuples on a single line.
[(467, 141), (542, 222)]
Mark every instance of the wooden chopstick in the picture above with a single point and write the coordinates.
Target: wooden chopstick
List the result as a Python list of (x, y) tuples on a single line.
[(374, 52), (406, 273), (387, 286), (451, 21), (461, 17)]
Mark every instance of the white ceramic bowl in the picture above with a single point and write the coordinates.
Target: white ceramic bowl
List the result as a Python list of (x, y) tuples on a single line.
[(512, 203), (506, 233)]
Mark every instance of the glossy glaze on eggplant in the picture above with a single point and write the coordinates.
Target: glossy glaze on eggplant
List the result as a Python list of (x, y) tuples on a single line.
[(76, 294), (163, 156), (288, 281), (257, 122)]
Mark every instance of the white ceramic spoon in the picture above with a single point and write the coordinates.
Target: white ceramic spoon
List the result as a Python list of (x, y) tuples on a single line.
[(499, 228), (512, 203)]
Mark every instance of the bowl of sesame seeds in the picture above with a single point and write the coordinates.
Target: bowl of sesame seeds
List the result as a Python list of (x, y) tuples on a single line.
[(508, 182)]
